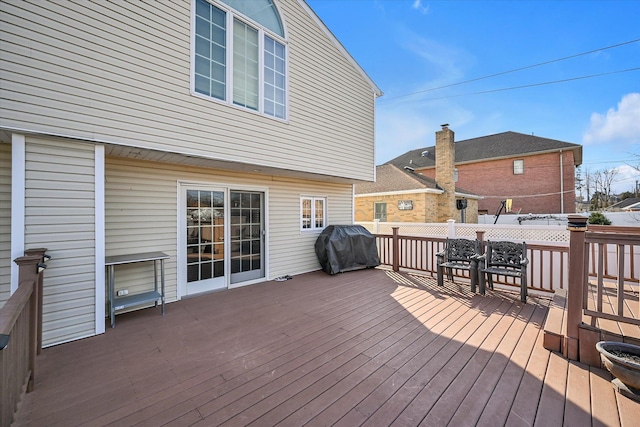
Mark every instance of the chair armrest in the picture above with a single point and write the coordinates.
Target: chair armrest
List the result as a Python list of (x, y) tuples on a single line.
[(480, 257), (524, 261)]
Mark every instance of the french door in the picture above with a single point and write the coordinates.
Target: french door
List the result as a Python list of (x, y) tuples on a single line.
[(205, 245), (247, 235), (223, 241)]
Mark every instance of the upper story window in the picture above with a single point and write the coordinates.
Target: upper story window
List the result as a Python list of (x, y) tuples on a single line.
[(518, 167), (239, 55)]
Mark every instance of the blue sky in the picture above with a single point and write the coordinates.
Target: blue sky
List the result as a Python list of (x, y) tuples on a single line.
[(410, 47)]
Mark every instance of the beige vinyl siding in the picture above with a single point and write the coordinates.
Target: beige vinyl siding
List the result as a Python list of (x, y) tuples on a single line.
[(120, 72), (141, 215), (60, 216), (5, 222)]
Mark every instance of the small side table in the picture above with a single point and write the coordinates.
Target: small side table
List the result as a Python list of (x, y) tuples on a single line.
[(120, 303)]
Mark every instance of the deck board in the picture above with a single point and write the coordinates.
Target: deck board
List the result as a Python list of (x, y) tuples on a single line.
[(368, 347)]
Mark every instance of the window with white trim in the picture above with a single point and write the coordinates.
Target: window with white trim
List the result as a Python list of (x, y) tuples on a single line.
[(518, 167), (239, 55), (313, 213), (380, 211)]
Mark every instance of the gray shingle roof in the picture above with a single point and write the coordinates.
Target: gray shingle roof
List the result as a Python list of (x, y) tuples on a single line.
[(391, 178), (625, 203), (501, 145)]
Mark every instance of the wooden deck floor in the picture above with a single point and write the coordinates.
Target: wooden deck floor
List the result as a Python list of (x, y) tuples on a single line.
[(363, 348)]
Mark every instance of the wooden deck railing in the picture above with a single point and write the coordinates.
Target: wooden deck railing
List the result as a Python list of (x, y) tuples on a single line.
[(548, 267), (21, 334), (602, 263)]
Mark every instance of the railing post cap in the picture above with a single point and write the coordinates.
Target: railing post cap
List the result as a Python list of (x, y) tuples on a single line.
[(577, 223), (35, 251), (451, 221), (28, 259)]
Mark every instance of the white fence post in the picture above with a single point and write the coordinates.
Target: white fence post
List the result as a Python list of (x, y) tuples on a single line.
[(452, 228)]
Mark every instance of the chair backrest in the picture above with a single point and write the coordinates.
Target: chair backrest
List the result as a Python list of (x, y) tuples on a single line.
[(506, 254), (461, 249)]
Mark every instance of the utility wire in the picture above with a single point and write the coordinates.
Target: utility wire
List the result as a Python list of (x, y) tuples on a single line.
[(519, 87), (514, 70)]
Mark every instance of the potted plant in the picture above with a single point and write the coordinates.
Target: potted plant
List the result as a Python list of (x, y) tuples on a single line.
[(623, 361)]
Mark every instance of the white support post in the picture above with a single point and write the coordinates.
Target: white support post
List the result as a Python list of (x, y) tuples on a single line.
[(99, 204), (18, 189), (451, 225)]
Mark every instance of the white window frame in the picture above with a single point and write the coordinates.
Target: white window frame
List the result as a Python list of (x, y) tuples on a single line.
[(518, 167), (313, 200), (375, 204), (232, 14)]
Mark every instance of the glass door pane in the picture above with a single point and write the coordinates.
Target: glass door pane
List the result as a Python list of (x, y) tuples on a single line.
[(247, 240), (205, 240)]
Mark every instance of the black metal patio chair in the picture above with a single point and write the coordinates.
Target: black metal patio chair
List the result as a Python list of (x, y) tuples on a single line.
[(506, 259), (459, 254)]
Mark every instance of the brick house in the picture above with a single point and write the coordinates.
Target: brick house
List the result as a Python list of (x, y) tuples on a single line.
[(537, 173), (401, 194)]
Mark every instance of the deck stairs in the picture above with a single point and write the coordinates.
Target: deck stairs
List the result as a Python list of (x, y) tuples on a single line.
[(592, 329)]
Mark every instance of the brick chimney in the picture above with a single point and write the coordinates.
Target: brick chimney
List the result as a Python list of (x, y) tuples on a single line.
[(445, 173)]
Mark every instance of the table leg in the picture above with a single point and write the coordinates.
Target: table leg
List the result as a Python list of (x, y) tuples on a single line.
[(162, 283), (155, 279), (111, 273)]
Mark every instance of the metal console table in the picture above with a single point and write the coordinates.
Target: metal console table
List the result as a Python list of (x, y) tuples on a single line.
[(120, 303)]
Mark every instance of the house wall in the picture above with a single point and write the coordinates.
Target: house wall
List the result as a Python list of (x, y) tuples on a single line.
[(424, 207), (5, 222), (141, 215), (59, 216), (470, 214), (536, 191), (119, 72)]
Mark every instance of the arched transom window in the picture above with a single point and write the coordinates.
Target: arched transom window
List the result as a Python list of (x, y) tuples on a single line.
[(239, 54)]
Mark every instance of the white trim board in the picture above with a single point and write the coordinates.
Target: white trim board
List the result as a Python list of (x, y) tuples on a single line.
[(18, 176)]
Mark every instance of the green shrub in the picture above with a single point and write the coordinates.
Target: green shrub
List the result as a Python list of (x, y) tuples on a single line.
[(599, 218)]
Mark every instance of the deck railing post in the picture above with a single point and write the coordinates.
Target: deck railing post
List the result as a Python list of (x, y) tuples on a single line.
[(28, 272), (396, 249), (480, 239), (40, 252), (577, 225)]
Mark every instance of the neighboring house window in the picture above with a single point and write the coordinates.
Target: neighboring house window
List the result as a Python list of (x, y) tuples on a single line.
[(380, 211), (313, 213), (518, 167), (240, 56)]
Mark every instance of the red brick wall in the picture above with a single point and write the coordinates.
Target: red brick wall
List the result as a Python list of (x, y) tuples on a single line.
[(536, 191)]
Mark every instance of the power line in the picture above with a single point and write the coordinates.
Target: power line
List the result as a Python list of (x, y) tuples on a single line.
[(520, 87), (514, 70)]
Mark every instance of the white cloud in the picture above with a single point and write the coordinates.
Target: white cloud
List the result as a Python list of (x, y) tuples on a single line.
[(621, 126), (417, 5)]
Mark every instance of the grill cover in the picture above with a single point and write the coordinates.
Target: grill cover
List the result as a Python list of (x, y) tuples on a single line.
[(343, 248)]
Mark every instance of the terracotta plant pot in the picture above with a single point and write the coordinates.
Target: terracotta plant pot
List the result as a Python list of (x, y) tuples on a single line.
[(625, 367)]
